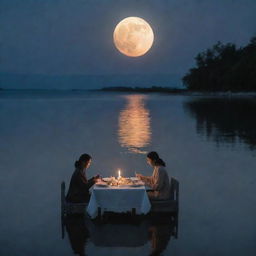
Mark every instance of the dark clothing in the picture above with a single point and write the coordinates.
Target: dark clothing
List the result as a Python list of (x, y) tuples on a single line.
[(79, 186), (78, 234)]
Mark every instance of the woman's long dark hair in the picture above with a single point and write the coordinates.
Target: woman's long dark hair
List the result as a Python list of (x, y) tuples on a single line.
[(83, 158), (155, 158)]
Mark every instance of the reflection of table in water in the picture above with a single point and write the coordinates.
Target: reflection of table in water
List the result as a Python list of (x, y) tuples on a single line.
[(118, 234), (122, 232)]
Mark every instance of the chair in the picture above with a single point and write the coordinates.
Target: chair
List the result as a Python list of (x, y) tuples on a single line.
[(172, 203), (70, 208)]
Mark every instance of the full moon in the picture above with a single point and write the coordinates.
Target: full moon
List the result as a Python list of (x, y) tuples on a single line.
[(133, 36)]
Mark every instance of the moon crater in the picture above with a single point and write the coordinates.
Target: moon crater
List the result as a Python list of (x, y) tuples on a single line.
[(133, 36)]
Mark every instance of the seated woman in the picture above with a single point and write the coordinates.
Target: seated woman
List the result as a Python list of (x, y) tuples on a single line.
[(159, 181), (79, 185)]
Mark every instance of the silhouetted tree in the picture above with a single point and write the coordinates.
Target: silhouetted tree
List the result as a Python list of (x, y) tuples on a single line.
[(224, 68)]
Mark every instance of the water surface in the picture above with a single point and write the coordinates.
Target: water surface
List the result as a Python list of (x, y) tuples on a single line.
[(207, 143)]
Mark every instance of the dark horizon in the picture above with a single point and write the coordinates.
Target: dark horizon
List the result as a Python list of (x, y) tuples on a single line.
[(66, 82)]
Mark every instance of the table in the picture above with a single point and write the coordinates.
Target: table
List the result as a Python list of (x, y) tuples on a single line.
[(118, 199)]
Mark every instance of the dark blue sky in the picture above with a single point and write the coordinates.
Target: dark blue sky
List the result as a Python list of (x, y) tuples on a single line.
[(75, 36)]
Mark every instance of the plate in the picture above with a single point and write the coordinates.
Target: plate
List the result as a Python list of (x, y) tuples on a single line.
[(106, 179)]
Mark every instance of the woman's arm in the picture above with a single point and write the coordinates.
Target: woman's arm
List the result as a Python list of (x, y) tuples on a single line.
[(147, 180), (86, 184)]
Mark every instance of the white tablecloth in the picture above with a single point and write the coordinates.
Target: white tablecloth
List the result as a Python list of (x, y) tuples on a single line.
[(118, 199)]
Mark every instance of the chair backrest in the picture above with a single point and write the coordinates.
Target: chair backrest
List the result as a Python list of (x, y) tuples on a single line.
[(63, 191), (174, 189)]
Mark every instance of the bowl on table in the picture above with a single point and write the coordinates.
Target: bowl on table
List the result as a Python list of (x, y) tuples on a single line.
[(134, 178)]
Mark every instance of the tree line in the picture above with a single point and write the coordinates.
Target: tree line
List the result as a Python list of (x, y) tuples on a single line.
[(224, 67)]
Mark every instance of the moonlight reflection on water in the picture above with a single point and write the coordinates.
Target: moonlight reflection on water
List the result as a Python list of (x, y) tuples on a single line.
[(134, 131), (47, 131)]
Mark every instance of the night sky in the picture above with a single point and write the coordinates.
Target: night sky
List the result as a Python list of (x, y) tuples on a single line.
[(63, 37)]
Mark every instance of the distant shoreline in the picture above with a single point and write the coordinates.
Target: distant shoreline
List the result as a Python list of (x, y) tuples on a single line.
[(177, 91), (146, 90), (152, 89)]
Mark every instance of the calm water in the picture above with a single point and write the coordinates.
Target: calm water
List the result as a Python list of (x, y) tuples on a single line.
[(209, 145)]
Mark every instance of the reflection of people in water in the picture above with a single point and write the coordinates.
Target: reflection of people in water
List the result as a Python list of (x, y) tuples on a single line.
[(159, 181), (158, 229), (78, 234), (160, 232), (79, 185)]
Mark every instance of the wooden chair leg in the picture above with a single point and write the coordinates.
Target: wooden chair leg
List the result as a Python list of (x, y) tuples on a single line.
[(63, 208), (62, 227)]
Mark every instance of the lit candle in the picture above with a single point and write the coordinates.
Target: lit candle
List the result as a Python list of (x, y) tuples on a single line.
[(119, 173)]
